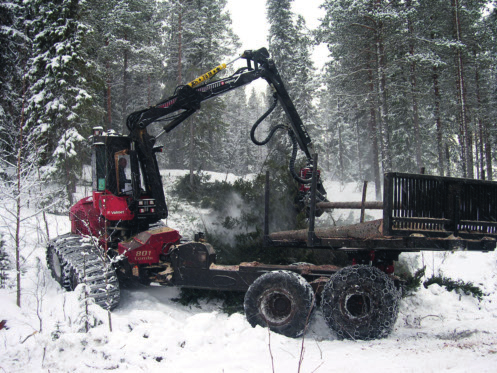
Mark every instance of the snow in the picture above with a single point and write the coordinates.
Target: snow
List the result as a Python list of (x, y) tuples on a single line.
[(39, 97), (436, 330)]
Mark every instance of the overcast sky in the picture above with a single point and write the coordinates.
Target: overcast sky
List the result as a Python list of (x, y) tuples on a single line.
[(249, 22)]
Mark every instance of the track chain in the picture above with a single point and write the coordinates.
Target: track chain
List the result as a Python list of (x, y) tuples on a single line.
[(82, 262)]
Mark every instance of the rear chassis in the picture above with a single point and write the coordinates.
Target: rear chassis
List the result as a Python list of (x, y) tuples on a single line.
[(420, 213)]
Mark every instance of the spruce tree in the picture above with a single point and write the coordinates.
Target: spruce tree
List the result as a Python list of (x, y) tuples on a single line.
[(14, 51), (59, 92)]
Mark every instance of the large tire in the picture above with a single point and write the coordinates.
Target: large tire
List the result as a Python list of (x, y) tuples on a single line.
[(73, 260), (280, 300), (360, 302)]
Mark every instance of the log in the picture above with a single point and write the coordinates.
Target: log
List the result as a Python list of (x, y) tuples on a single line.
[(369, 229), (350, 205)]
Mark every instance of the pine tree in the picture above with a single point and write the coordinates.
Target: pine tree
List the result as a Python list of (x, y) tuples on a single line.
[(129, 56), (457, 42), (352, 79), (419, 73), (199, 37)]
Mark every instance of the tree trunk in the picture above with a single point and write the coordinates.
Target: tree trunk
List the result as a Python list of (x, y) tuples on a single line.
[(415, 115), (480, 151), (358, 147), (67, 168), (465, 136), (18, 200), (340, 144), (447, 157), (373, 134), (109, 93), (488, 152), (484, 149), (382, 97), (125, 87), (180, 46), (191, 150), (109, 100), (438, 121)]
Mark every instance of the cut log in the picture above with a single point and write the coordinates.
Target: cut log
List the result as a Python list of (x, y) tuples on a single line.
[(369, 229), (350, 205)]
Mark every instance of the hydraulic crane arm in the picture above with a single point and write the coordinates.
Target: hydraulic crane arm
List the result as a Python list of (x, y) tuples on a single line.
[(188, 98)]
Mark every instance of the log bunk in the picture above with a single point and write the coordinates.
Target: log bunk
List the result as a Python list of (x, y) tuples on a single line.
[(420, 213)]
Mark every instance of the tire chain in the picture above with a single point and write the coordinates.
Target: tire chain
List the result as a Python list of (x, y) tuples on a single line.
[(383, 296), (94, 269)]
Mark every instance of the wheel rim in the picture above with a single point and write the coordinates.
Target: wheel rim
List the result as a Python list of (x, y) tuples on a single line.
[(276, 307), (357, 305)]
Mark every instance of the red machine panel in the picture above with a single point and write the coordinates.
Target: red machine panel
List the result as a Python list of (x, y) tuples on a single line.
[(112, 207), (85, 219), (148, 246)]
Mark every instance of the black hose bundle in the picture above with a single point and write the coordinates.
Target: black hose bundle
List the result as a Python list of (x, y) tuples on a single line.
[(295, 148), (133, 119), (259, 121), (270, 135)]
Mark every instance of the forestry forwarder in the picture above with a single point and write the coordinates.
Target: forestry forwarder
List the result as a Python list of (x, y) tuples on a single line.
[(116, 233), (119, 226)]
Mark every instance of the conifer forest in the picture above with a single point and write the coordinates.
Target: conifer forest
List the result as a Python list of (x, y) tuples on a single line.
[(408, 84), (94, 221)]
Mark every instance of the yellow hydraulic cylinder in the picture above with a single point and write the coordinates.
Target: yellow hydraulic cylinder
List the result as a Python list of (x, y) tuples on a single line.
[(207, 75)]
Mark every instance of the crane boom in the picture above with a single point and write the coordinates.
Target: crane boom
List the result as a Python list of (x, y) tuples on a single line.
[(188, 98)]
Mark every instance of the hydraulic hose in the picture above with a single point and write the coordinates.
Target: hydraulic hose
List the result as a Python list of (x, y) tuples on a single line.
[(295, 145), (295, 148), (133, 119), (259, 121)]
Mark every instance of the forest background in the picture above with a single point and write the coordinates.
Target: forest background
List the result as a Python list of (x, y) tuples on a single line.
[(409, 84)]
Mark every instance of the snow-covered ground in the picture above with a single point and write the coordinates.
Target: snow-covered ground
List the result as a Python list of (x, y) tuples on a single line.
[(436, 330)]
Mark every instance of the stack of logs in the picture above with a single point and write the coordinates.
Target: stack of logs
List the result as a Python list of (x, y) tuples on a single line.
[(363, 230)]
